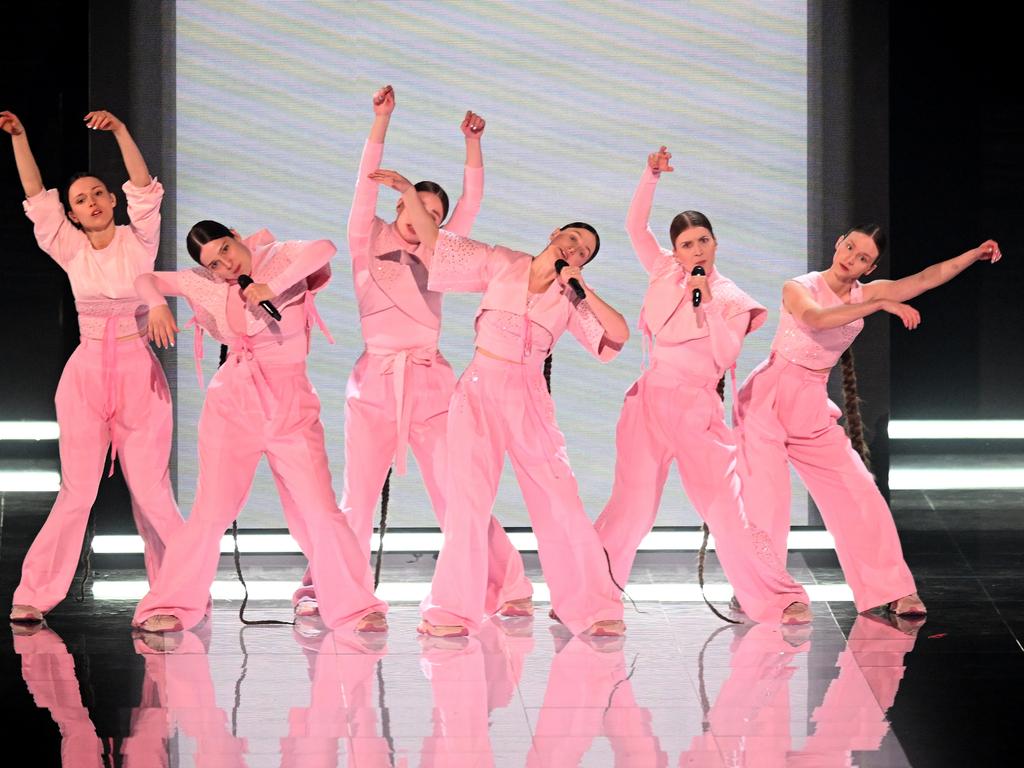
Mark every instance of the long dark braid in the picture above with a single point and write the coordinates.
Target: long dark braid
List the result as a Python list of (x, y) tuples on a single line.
[(385, 495), (702, 553), (238, 558), (851, 404)]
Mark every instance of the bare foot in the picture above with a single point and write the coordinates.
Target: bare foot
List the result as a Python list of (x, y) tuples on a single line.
[(911, 605), (162, 622), (520, 607), (441, 630), (307, 606), (27, 614), (372, 622), (797, 613), (608, 628)]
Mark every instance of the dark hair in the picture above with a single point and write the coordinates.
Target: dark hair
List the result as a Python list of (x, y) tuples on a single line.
[(66, 191), (874, 231), (851, 405), (203, 232), (591, 230), (436, 189), (683, 221)]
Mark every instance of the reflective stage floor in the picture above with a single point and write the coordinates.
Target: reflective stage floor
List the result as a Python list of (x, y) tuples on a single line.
[(683, 688)]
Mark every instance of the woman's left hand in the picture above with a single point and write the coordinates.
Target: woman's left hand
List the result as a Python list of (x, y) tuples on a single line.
[(391, 179), (988, 251), (258, 292)]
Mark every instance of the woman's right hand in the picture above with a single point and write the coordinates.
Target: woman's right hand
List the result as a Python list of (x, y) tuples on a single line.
[(384, 101), (161, 326), (392, 179), (910, 317), (660, 161), (10, 123)]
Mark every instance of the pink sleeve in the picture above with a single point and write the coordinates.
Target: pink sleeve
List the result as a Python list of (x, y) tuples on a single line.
[(727, 336), (459, 264), (305, 257), (584, 325), (644, 242), (461, 222), (152, 287), (364, 201), (144, 212), (54, 233)]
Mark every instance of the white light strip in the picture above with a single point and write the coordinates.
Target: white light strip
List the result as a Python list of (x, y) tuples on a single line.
[(29, 430), (429, 541), (909, 479), (33, 481), (415, 591), (1001, 429)]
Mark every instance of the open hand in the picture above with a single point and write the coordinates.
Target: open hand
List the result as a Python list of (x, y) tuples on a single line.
[(161, 326), (910, 317), (391, 179)]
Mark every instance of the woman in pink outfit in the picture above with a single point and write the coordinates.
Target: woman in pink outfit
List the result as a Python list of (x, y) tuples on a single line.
[(260, 402), (783, 412), (500, 405), (673, 411), (398, 392), (112, 392)]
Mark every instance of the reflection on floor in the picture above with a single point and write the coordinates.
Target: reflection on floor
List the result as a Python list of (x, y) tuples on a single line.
[(682, 689)]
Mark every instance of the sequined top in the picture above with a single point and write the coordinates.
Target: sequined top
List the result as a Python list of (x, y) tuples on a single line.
[(103, 281), (511, 322), (396, 309), (816, 349)]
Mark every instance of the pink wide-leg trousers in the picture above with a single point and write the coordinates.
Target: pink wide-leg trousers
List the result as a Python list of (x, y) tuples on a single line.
[(251, 411), (670, 415), (108, 394), (501, 407), (783, 413), (371, 442)]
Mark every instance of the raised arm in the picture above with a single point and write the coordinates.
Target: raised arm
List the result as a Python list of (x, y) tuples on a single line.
[(637, 220), (28, 171), (910, 287), (138, 173), (461, 221), (364, 199), (799, 302)]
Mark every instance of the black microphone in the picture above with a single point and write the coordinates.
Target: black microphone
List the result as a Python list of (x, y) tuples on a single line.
[(244, 281), (573, 282), (697, 270)]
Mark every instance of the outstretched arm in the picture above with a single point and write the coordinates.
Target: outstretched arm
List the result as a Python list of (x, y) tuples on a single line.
[(28, 171), (637, 220), (910, 287), (462, 218), (799, 302), (138, 173)]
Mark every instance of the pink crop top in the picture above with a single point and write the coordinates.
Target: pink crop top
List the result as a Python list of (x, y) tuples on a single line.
[(103, 281), (807, 347)]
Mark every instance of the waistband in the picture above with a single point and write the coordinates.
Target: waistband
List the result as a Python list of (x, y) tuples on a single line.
[(777, 361), (679, 374)]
